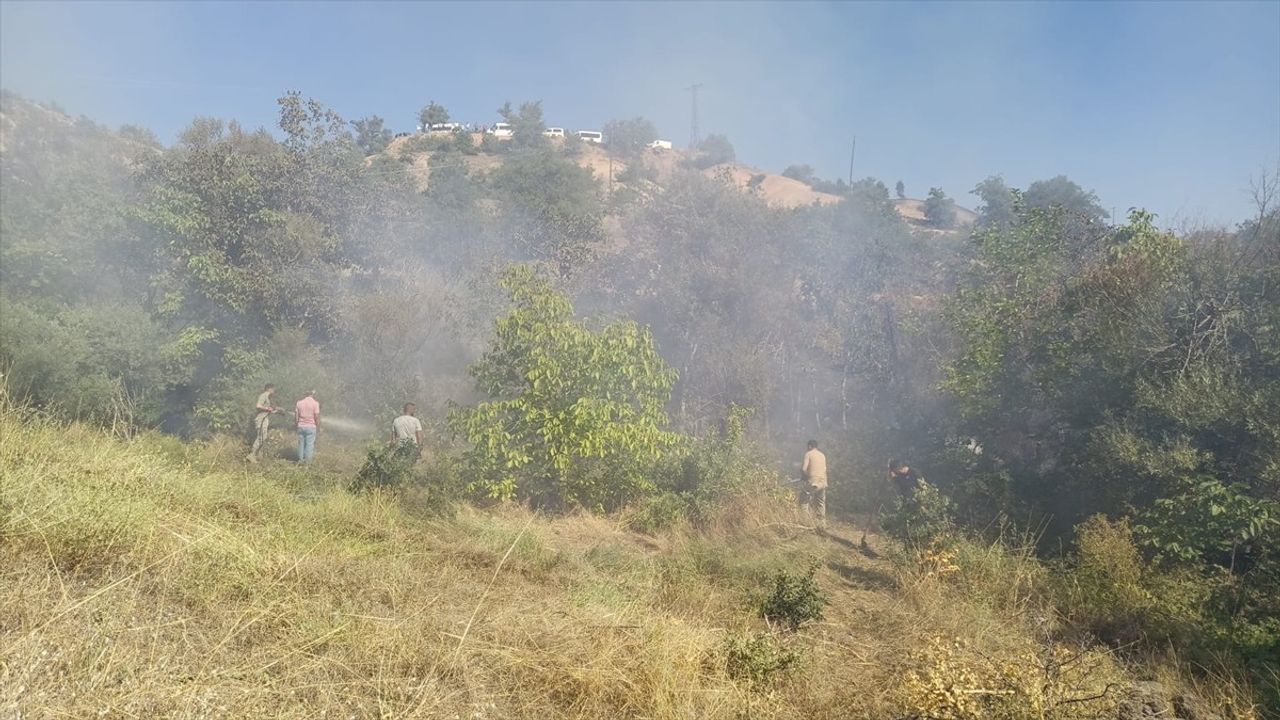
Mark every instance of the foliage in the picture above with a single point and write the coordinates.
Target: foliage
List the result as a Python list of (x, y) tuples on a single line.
[(1063, 194), (1208, 522), (939, 210), (432, 113), (562, 394), (999, 201), (699, 476), (371, 136), (558, 216), (526, 124), (386, 467), (629, 137), (900, 190), (803, 173), (108, 364), (948, 679), (714, 150), (758, 658), (922, 518), (795, 599)]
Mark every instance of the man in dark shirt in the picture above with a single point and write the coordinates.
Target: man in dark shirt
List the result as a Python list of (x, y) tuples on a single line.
[(902, 477)]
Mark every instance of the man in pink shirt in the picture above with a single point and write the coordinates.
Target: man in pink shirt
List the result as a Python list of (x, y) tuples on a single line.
[(307, 415)]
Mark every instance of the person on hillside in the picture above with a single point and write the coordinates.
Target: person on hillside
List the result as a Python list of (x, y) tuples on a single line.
[(902, 478), (307, 414), (813, 490), (407, 428), (262, 420)]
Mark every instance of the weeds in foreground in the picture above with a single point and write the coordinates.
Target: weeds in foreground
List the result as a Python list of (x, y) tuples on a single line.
[(795, 599)]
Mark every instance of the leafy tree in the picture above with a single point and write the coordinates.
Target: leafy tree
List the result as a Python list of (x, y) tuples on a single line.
[(561, 396), (998, 202), (432, 114), (900, 190), (714, 150), (371, 136), (526, 124), (250, 235), (1061, 192), (629, 137), (555, 210), (803, 173), (939, 210)]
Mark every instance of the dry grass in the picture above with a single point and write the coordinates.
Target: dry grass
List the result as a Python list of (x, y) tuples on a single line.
[(149, 579)]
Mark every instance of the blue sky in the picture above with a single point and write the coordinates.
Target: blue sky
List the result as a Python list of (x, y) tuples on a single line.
[(1169, 106)]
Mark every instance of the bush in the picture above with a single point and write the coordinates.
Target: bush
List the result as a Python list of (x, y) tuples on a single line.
[(921, 519), (757, 658), (658, 511), (386, 467), (700, 476), (795, 599), (951, 679)]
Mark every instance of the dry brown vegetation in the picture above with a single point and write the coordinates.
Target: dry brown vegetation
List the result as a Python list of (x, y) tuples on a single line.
[(149, 579)]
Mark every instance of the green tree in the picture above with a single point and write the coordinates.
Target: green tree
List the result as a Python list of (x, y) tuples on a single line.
[(554, 209), (939, 210), (998, 202), (526, 124), (1061, 192), (629, 137), (803, 173), (563, 398), (900, 190), (432, 114), (714, 150), (371, 136)]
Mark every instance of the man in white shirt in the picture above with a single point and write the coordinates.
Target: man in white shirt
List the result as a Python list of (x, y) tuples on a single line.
[(407, 428), (813, 493)]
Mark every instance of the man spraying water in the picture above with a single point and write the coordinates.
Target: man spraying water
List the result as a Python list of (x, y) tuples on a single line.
[(307, 415), (262, 420)]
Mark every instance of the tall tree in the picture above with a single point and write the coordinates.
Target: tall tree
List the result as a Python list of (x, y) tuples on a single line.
[(939, 210), (432, 113), (629, 137), (371, 136)]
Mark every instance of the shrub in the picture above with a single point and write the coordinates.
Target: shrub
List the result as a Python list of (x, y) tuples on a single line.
[(921, 519), (951, 679), (386, 467), (757, 658), (1104, 589), (795, 599), (658, 511), (701, 476)]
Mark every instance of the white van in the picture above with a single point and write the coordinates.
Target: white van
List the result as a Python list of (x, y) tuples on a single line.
[(591, 136), (501, 130), (660, 144), (554, 132), (449, 127)]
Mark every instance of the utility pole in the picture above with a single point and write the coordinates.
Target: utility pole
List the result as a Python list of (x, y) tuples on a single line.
[(693, 125), (852, 150)]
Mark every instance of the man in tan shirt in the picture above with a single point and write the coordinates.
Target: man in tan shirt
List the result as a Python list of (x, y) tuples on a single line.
[(813, 491)]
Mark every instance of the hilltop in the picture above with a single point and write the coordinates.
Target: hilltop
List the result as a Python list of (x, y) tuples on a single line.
[(774, 189)]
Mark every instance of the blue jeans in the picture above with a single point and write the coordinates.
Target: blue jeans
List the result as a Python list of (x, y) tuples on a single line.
[(306, 444)]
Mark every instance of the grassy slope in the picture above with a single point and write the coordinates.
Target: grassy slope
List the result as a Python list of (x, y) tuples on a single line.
[(139, 580)]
